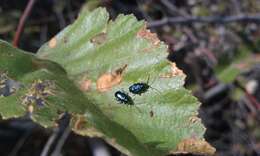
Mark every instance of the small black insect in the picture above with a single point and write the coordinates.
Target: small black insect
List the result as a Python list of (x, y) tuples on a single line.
[(140, 87), (123, 97)]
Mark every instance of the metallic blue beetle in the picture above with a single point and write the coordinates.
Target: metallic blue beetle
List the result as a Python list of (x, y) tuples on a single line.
[(123, 97), (139, 88)]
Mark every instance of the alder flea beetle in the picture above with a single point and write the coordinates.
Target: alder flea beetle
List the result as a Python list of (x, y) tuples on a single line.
[(140, 87), (124, 98)]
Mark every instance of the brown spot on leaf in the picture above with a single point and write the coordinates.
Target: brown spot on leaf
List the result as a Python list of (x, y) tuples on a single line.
[(81, 126), (108, 80), (175, 71), (85, 85), (53, 42), (99, 38), (194, 119), (30, 109), (146, 34), (80, 123), (194, 146)]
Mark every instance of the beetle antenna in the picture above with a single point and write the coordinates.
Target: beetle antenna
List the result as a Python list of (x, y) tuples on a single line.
[(155, 89), (148, 79), (152, 84)]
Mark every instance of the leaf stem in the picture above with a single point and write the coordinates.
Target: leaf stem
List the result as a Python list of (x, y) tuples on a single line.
[(22, 21)]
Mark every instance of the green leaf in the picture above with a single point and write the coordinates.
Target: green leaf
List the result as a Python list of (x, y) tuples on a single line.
[(59, 95), (103, 56)]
